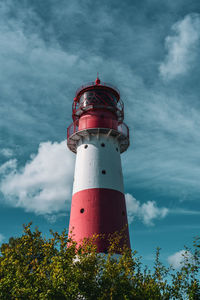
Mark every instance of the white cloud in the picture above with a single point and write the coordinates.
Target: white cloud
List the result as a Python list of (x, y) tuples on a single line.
[(148, 212), (8, 167), (181, 47), (6, 152), (44, 184), (133, 207), (52, 218), (178, 259)]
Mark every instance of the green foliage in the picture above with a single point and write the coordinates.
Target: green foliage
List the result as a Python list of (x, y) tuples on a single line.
[(33, 267)]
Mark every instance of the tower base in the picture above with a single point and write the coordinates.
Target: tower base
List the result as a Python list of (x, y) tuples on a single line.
[(99, 211)]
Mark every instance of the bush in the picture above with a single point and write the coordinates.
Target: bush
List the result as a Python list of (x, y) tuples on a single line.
[(32, 267)]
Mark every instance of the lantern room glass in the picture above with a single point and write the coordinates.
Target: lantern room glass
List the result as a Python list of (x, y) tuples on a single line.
[(98, 97)]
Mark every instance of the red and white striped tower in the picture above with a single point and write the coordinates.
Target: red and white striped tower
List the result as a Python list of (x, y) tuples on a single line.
[(98, 136)]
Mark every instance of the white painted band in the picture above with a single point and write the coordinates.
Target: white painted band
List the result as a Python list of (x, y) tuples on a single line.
[(98, 164)]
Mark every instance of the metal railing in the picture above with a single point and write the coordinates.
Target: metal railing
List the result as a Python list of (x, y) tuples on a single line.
[(73, 128), (122, 128)]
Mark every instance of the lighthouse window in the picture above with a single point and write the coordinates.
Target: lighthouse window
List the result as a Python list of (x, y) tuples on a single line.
[(123, 213), (117, 149), (82, 210), (103, 172), (85, 146), (102, 145)]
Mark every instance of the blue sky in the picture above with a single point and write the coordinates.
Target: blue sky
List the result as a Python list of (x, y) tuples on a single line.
[(150, 51)]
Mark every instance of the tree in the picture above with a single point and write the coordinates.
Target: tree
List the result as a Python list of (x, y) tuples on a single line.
[(33, 267)]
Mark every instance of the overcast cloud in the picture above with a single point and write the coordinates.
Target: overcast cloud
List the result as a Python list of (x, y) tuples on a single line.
[(150, 51), (39, 77), (182, 47)]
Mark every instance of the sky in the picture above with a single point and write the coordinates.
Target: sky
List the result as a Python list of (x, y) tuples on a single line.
[(150, 50)]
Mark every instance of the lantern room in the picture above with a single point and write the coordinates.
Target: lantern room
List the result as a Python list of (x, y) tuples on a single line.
[(97, 109), (98, 96)]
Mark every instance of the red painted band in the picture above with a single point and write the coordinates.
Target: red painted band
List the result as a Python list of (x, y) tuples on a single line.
[(98, 211), (98, 119)]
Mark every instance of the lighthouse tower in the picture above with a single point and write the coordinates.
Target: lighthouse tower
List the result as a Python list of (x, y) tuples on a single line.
[(98, 136)]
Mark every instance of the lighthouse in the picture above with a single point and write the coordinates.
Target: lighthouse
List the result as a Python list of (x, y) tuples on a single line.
[(98, 136)]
